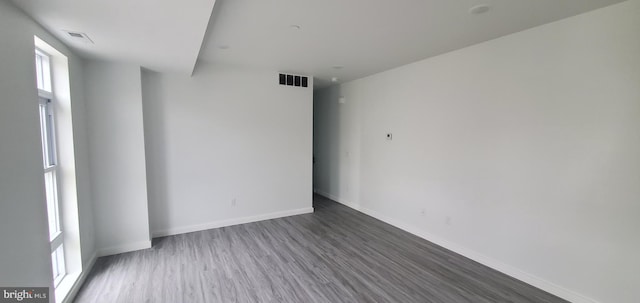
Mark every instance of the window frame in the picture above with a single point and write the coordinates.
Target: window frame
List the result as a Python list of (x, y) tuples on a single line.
[(46, 104)]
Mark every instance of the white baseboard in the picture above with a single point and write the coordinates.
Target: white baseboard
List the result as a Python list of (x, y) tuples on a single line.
[(114, 250), (86, 269), (230, 222), (516, 273), (338, 199)]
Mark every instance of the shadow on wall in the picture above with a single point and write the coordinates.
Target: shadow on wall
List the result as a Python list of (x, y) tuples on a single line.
[(155, 146), (326, 146)]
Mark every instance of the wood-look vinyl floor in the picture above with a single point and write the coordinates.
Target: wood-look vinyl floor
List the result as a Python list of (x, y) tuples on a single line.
[(333, 255)]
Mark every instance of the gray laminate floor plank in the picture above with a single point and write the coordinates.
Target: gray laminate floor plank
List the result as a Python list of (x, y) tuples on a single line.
[(335, 254)]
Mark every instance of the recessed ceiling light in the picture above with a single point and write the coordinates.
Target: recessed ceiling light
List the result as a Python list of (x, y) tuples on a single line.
[(337, 67), (334, 79), (295, 27), (223, 47), (479, 9)]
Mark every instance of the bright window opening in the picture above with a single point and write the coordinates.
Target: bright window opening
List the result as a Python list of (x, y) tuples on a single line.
[(49, 157), (57, 259)]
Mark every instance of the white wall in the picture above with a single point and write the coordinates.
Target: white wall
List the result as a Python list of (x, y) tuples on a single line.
[(23, 219), (523, 151), (224, 134), (336, 144), (81, 145), (25, 252), (118, 173)]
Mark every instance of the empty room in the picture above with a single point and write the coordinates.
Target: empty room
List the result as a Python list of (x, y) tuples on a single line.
[(320, 151)]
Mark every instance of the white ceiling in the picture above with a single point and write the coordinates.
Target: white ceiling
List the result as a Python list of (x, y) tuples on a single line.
[(365, 36), (159, 35)]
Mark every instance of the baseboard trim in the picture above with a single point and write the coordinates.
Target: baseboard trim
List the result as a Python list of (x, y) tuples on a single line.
[(516, 273), (80, 280), (338, 199), (129, 247), (230, 222)]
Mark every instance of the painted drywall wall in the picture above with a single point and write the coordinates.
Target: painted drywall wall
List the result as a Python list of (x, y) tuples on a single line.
[(337, 141), (81, 145), (118, 173), (25, 253), (522, 152), (23, 219), (226, 146)]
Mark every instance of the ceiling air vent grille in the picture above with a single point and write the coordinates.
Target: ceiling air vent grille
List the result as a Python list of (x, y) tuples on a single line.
[(78, 36), (293, 80)]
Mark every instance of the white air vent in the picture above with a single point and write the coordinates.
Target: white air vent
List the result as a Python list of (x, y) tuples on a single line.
[(78, 36)]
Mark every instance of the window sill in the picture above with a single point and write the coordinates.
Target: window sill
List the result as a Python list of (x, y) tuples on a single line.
[(65, 286)]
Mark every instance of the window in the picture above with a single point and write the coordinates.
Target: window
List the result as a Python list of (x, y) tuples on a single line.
[(49, 156)]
